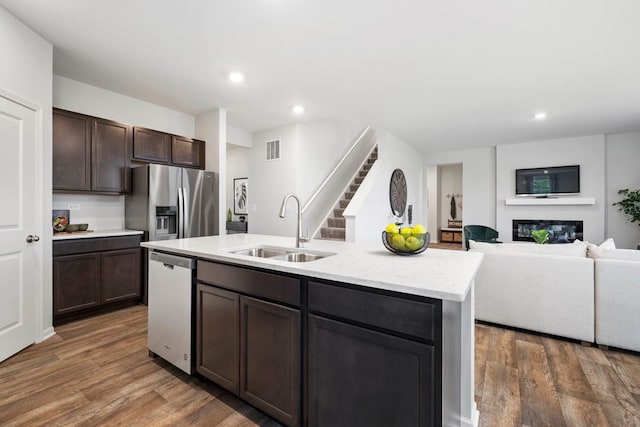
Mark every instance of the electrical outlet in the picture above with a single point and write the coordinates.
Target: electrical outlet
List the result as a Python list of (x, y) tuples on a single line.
[(73, 206)]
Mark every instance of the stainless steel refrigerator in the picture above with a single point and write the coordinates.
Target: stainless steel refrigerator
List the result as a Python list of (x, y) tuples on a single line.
[(169, 202)]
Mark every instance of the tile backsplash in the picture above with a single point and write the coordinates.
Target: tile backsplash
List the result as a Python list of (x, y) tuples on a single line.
[(100, 212)]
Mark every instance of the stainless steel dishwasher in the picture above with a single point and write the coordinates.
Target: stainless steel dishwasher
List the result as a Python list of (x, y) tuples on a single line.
[(169, 302)]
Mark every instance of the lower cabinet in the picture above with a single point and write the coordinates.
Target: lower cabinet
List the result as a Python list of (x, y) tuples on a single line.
[(96, 274), (359, 377), (251, 348)]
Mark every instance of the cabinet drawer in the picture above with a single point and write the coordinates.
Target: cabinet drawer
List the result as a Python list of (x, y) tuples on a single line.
[(457, 237), (99, 244), (446, 236), (416, 318), (256, 283)]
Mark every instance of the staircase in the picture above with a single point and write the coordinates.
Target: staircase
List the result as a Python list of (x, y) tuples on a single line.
[(336, 227)]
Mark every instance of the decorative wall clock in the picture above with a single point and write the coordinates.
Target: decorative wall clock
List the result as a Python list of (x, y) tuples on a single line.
[(398, 192)]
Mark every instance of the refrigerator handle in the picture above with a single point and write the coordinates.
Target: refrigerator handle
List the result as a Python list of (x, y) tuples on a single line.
[(180, 213), (186, 229)]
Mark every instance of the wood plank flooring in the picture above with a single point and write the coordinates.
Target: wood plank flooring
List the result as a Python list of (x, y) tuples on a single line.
[(97, 372), (531, 380)]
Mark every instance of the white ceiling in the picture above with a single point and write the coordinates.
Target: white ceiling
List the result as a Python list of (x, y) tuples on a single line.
[(437, 74)]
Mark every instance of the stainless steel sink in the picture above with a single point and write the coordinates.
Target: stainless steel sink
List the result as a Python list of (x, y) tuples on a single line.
[(261, 252), (300, 257), (283, 254)]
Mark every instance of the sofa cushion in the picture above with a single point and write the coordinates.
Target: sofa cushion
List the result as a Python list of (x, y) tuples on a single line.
[(577, 248), (621, 254)]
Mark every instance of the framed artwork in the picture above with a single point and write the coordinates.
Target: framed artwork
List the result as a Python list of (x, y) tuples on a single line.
[(240, 196)]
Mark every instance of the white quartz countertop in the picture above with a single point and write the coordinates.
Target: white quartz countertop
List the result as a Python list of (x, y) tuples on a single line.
[(94, 234), (436, 273)]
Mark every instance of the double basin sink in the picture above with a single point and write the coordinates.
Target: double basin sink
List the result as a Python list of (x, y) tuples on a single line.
[(282, 254)]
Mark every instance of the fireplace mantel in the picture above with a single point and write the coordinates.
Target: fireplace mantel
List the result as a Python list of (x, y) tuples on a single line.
[(551, 201)]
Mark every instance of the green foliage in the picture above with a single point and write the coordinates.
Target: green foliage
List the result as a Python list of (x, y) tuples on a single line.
[(630, 205), (540, 236)]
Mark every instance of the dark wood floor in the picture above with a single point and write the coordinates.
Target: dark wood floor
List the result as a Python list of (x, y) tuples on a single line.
[(97, 372)]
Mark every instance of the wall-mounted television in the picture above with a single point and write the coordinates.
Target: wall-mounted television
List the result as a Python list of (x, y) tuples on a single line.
[(549, 181)]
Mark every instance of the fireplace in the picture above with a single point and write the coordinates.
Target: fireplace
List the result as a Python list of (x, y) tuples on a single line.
[(560, 231)]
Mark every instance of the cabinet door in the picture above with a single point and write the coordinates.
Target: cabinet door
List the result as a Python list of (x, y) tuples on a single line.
[(359, 377), (71, 151), (270, 359), (120, 275), (76, 282), (187, 152), (217, 335), (111, 154), (151, 146)]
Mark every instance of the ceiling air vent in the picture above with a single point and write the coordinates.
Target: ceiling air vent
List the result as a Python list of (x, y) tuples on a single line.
[(272, 149)]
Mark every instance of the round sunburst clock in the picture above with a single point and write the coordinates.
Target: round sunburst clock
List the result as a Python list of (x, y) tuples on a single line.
[(398, 192)]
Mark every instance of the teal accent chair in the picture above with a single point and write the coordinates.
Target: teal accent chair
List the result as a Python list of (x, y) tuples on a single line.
[(479, 233)]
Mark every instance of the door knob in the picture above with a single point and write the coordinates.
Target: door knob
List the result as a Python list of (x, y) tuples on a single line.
[(32, 238)]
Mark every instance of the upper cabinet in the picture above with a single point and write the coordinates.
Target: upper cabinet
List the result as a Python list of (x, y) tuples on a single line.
[(151, 146), (90, 154), (110, 157), (71, 151), (187, 152), (94, 154)]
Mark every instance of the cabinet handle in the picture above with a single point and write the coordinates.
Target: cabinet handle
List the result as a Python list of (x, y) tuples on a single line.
[(33, 238)]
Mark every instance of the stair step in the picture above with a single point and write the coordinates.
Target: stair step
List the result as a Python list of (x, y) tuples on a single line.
[(348, 195), (371, 161), (354, 187), (337, 222), (337, 213), (363, 173), (344, 203), (359, 180), (366, 167), (333, 233)]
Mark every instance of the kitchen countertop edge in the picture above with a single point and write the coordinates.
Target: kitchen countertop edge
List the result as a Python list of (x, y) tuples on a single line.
[(95, 234)]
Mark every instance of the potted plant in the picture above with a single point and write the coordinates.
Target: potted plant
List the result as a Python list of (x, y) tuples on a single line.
[(540, 236), (630, 205)]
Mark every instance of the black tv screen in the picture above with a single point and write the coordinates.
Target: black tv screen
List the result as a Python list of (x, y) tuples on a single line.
[(547, 181)]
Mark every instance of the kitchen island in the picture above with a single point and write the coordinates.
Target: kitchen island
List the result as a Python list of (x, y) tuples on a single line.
[(372, 338)]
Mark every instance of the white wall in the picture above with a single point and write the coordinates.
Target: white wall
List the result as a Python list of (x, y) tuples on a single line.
[(588, 152), (374, 212), (478, 184), (82, 98), (622, 171), (238, 166), (450, 186), (27, 74), (211, 126), (270, 181), (239, 137), (320, 146), (100, 212)]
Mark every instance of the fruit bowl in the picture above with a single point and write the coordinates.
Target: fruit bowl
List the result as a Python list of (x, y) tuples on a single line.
[(400, 246)]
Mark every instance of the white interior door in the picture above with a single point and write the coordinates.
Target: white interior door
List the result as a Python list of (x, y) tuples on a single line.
[(18, 258)]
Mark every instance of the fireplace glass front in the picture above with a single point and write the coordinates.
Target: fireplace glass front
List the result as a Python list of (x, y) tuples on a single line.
[(560, 231)]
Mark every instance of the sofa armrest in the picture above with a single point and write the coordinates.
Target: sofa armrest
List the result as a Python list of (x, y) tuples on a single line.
[(546, 293)]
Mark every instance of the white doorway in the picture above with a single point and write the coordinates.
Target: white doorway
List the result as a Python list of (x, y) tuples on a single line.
[(445, 202), (20, 249)]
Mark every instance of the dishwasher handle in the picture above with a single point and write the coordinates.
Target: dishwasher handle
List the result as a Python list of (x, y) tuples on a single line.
[(171, 261)]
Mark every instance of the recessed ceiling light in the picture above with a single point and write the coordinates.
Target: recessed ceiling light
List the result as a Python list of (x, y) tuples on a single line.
[(297, 109), (540, 116), (236, 77)]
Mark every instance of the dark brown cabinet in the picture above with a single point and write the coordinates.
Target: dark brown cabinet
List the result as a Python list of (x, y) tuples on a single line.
[(71, 151), (250, 346), (151, 146), (359, 377), (90, 154), (93, 274), (187, 152), (270, 358), (218, 336)]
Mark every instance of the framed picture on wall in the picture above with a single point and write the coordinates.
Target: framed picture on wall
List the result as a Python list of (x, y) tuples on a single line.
[(240, 196)]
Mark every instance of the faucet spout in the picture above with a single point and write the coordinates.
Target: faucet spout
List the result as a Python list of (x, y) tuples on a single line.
[(283, 208)]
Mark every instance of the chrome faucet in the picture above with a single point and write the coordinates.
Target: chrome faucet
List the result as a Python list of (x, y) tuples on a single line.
[(283, 208)]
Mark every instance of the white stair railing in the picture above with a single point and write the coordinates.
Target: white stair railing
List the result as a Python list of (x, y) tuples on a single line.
[(320, 204)]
